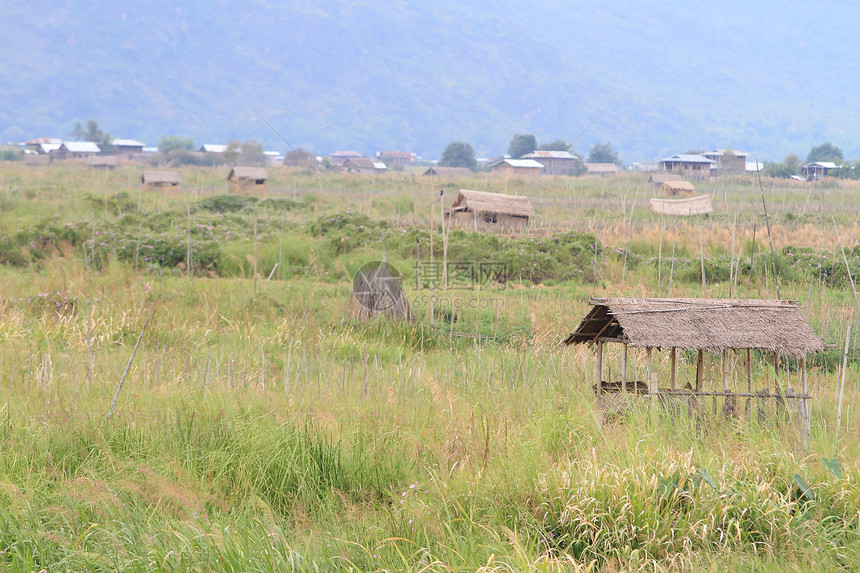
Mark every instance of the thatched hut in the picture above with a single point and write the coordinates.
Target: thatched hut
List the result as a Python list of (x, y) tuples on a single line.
[(152, 179), (103, 162), (657, 179), (677, 188), (717, 326), (686, 207), (483, 211), (248, 180), (377, 288), (449, 172)]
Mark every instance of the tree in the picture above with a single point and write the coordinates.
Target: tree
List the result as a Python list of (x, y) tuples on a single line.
[(779, 170), (602, 153), (231, 152), (522, 144), (825, 152), (169, 143), (458, 154), (557, 145), (251, 153), (300, 158), (90, 132), (792, 160)]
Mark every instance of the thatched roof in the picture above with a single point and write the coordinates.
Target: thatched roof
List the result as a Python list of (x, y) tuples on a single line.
[(601, 168), (160, 178), (700, 205), (483, 202), (660, 178), (105, 161), (708, 324), (248, 173), (675, 187), (451, 172)]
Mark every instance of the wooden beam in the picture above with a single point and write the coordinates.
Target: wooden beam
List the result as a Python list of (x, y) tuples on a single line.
[(672, 376), (804, 404), (725, 366), (749, 381), (700, 370)]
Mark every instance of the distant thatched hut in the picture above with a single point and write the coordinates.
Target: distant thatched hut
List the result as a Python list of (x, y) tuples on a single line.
[(658, 179), (377, 288), (716, 326), (482, 211), (103, 162), (687, 207), (677, 188), (152, 179), (449, 172), (248, 180)]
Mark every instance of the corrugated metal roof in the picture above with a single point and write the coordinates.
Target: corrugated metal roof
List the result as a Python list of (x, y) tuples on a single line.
[(552, 154), (80, 147), (686, 158), (127, 143), (519, 163), (213, 148), (823, 164)]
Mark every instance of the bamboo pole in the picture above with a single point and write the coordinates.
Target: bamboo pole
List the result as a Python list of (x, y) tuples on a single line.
[(599, 365), (649, 371), (842, 384), (804, 402)]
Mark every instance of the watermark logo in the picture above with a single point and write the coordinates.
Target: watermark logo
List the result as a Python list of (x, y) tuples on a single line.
[(377, 286), (459, 275)]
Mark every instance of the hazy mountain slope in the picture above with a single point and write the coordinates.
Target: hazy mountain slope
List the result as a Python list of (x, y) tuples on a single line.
[(376, 75)]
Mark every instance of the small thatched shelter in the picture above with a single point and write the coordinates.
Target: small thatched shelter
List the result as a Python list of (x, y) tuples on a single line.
[(103, 162), (377, 288), (657, 179), (601, 168), (248, 180), (677, 188), (686, 207), (449, 172), (483, 211), (160, 179), (717, 326)]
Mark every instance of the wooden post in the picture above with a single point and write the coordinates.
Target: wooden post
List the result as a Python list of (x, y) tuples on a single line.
[(599, 366), (842, 384), (652, 391), (624, 367), (700, 370), (672, 376), (804, 402), (749, 382), (725, 370)]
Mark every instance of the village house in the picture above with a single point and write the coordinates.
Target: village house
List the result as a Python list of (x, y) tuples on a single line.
[(728, 161), (554, 162), (397, 157), (340, 157), (817, 169), (213, 148), (519, 167), (76, 150), (363, 166), (483, 211), (692, 166), (127, 147)]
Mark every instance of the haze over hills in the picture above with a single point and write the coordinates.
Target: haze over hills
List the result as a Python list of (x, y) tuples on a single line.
[(767, 78)]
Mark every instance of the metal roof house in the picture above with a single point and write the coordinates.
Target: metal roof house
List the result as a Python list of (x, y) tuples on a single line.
[(817, 169), (363, 165), (516, 167), (717, 326), (689, 165), (76, 149), (554, 162)]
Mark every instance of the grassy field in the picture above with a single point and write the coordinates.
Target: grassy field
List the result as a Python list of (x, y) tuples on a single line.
[(259, 428)]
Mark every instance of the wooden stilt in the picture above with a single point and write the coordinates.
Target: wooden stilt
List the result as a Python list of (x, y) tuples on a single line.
[(624, 367), (804, 402), (672, 377), (700, 370), (599, 366), (652, 391), (749, 382)]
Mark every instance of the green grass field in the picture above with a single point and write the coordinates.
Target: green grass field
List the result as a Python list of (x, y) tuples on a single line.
[(260, 428)]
